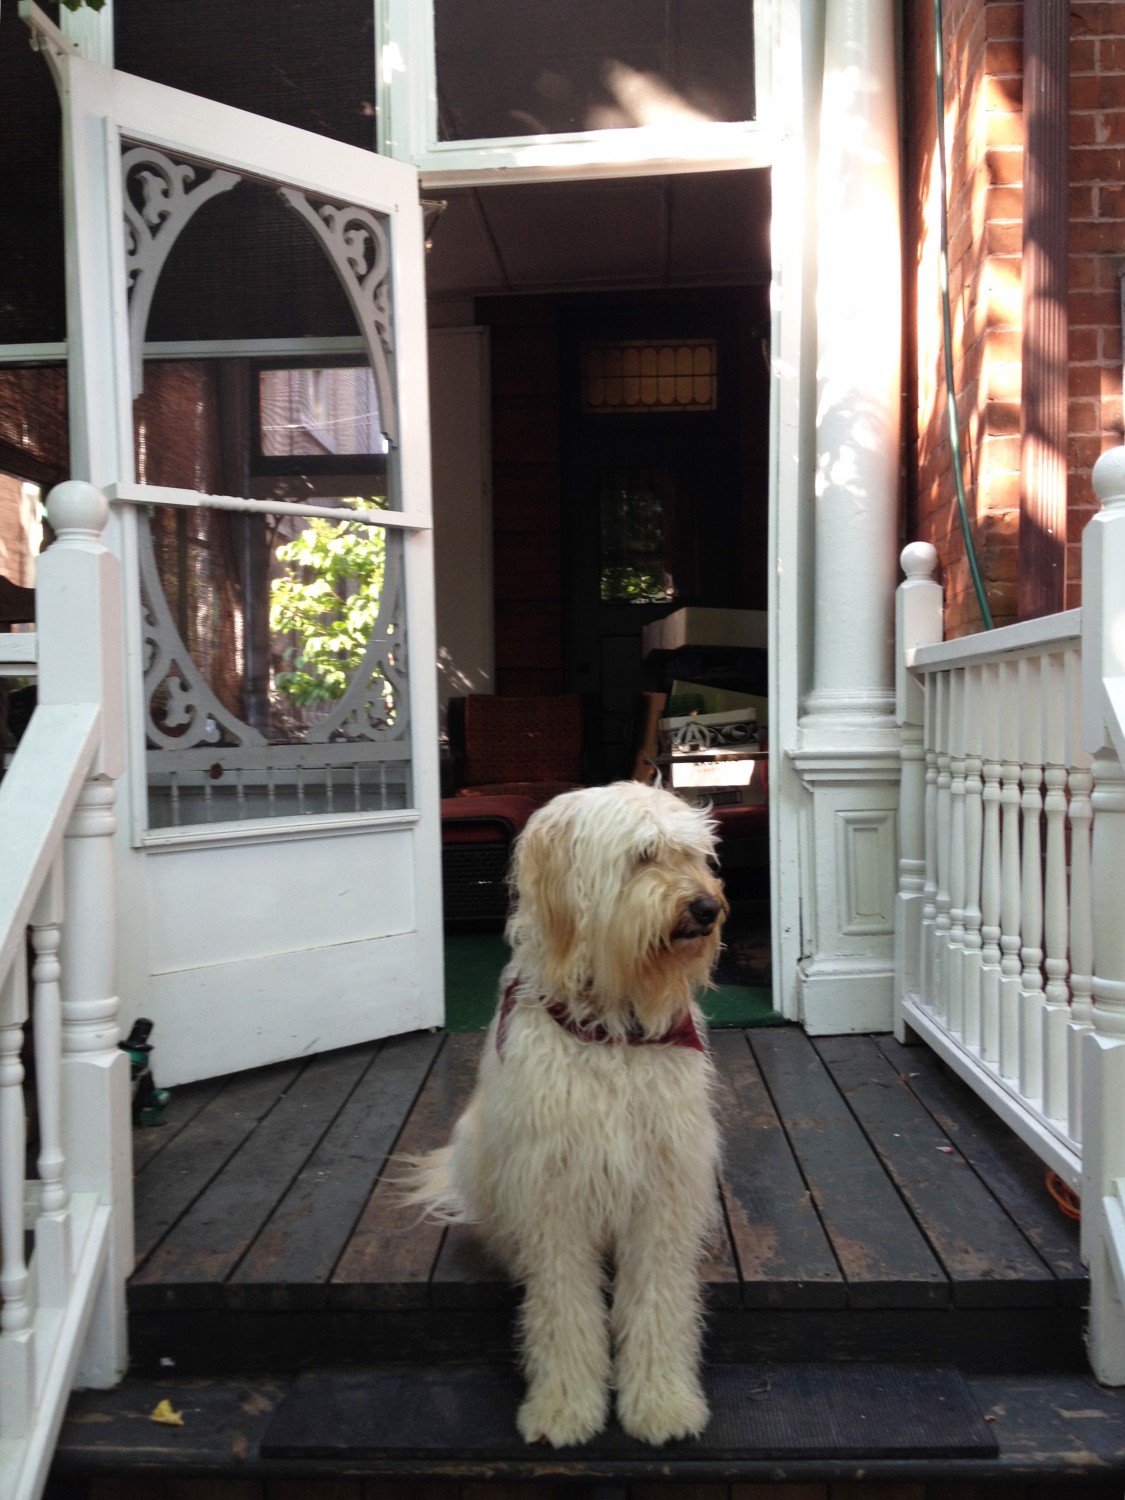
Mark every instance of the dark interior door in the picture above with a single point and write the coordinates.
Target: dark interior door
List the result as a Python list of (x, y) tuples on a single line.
[(664, 497)]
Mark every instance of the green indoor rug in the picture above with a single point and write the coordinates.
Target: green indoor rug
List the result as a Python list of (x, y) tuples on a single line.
[(473, 961)]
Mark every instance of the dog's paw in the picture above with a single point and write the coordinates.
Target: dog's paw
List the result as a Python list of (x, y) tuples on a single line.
[(559, 1418), (660, 1414)]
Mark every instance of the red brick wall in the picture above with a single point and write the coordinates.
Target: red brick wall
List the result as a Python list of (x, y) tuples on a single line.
[(984, 143), (1097, 245), (984, 66)]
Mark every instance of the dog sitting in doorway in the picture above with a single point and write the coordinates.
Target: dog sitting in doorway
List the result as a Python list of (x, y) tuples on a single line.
[(590, 1137)]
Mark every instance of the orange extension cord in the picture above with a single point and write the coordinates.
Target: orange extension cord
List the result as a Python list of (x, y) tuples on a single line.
[(1067, 1199)]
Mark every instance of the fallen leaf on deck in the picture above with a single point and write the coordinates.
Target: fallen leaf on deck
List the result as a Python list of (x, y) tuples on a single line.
[(162, 1412)]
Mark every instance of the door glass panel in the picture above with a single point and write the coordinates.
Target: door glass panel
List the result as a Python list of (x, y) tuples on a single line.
[(638, 514), (274, 643), (596, 65)]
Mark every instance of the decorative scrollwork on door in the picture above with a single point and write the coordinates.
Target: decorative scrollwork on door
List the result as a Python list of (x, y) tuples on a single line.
[(375, 703), (181, 710), (160, 197), (356, 244)]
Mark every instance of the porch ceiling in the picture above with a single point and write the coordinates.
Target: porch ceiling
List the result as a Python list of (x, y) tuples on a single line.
[(691, 230)]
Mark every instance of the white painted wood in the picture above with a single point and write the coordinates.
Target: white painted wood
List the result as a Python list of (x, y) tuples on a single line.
[(1103, 588), (1050, 1145), (19, 651), (791, 580), (1010, 872), (990, 867), (1034, 636), (975, 712), (284, 987), (1031, 880), (1080, 782), (36, 796), (407, 118), (157, 494), (955, 965), (15, 1311), (939, 996), (102, 108), (1056, 992), (323, 891)]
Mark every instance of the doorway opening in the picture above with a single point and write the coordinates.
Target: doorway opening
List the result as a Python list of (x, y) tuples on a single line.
[(621, 500)]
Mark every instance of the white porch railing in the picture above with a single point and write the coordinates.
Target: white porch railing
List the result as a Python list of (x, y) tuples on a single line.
[(62, 1308), (1010, 927)]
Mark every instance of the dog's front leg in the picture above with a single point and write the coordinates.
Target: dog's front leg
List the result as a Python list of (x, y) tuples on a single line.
[(657, 1327), (565, 1339)]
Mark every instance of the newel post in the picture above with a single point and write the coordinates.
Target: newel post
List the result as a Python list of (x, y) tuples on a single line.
[(918, 622), (1103, 1071), (80, 661)]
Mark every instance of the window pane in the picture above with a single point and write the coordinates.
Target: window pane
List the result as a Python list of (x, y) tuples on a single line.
[(327, 412), (604, 64), (637, 518)]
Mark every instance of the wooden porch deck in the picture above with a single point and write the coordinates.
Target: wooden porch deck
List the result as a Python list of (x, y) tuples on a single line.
[(873, 1210)]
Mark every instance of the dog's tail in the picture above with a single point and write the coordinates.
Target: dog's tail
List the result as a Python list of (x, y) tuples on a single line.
[(427, 1183)]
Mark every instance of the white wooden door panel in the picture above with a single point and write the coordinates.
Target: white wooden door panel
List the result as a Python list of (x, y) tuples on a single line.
[(246, 942), (289, 1004), (211, 905)]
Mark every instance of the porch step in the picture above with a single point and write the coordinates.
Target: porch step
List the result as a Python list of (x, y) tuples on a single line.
[(784, 1424), (874, 1211)]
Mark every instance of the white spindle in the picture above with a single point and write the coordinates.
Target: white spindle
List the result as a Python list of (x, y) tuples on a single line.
[(1056, 996), (939, 999), (918, 621), (955, 967), (1080, 782), (17, 1349), (1009, 872), (1031, 880), (974, 823), (1103, 1146), (928, 956), (53, 1229), (990, 866)]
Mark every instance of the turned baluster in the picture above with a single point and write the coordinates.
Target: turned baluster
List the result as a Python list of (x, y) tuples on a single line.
[(975, 709), (1056, 994), (939, 1000), (990, 866), (955, 967), (1009, 1060)]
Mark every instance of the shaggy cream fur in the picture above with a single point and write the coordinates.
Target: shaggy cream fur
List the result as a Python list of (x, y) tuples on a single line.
[(575, 1154)]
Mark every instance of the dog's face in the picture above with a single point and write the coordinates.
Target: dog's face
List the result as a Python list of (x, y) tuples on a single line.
[(617, 906)]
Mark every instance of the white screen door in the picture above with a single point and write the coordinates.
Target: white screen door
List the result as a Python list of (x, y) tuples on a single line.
[(279, 834)]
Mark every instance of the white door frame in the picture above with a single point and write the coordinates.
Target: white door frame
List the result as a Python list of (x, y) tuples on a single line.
[(403, 966)]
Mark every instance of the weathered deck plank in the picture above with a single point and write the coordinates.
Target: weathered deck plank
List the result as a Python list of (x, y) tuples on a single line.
[(306, 1234), (885, 1260), (197, 1152), (783, 1255), (988, 1260), (391, 1256), (207, 1243), (272, 1223), (1014, 1174)]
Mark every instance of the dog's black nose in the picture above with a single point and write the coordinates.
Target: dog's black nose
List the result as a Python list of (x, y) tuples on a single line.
[(704, 910)]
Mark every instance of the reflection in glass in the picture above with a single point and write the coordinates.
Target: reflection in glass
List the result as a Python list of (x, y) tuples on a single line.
[(637, 514), (574, 67)]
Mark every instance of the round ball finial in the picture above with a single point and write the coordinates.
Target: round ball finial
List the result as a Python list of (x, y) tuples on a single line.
[(1109, 477), (919, 560), (76, 505)]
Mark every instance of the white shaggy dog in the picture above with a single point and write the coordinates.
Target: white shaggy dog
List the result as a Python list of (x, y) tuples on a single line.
[(590, 1137)]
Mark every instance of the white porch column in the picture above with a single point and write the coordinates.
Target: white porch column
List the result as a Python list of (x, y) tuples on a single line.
[(848, 754)]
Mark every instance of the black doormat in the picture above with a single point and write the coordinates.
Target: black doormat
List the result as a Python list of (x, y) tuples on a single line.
[(758, 1412)]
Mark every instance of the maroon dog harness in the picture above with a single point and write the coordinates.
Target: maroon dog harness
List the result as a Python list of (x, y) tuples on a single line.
[(682, 1034)]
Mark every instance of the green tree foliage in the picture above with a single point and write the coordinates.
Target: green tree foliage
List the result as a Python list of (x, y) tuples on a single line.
[(328, 597)]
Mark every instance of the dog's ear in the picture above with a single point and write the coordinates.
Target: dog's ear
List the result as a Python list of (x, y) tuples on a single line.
[(542, 875)]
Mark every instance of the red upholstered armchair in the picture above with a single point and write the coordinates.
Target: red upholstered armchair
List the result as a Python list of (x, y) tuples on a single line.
[(526, 747)]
